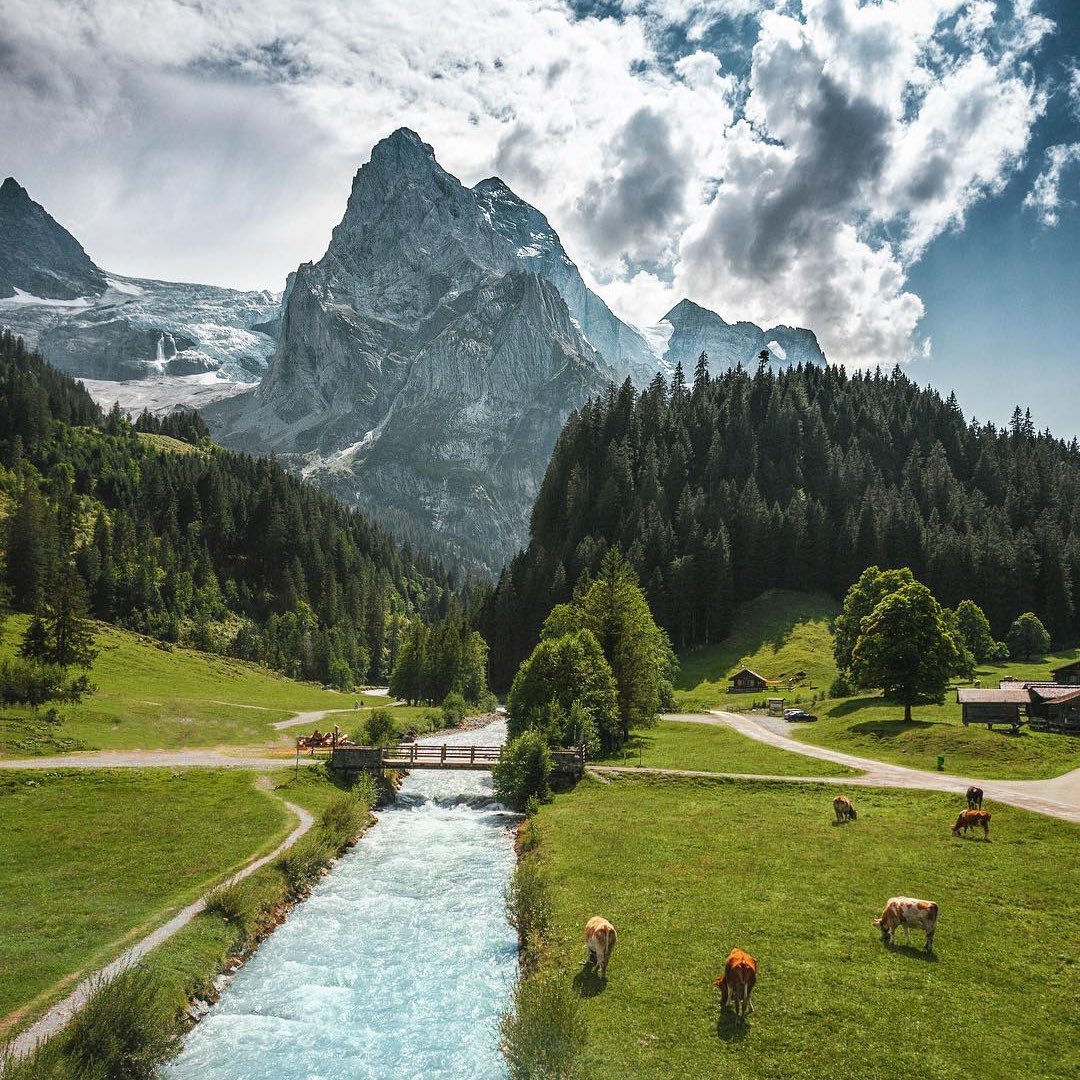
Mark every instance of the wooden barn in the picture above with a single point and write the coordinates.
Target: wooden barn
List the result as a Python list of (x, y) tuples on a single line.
[(994, 706), (748, 681)]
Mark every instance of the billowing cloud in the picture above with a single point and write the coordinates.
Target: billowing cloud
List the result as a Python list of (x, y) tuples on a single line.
[(217, 142)]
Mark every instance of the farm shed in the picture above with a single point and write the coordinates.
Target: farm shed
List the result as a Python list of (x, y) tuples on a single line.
[(989, 706), (1069, 675)]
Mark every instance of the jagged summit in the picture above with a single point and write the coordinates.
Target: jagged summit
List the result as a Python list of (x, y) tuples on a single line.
[(691, 329), (38, 256)]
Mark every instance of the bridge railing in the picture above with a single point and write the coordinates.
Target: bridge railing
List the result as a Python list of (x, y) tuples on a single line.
[(442, 753)]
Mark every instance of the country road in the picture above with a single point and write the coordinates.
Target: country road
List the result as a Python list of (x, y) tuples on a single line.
[(1058, 797)]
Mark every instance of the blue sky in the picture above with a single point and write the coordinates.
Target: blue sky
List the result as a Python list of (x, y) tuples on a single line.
[(899, 175)]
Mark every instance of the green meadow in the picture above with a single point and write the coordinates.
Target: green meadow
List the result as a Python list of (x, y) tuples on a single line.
[(688, 869)]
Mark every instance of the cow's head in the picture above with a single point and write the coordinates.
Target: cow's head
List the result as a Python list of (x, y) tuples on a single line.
[(886, 933), (852, 813)]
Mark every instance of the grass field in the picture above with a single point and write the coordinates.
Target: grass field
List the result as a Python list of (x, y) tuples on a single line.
[(91, 858), (776, 635), (675, 745), (153, 696), (688, 869)]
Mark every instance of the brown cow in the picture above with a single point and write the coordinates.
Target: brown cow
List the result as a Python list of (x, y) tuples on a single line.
[(972, 819), (906, 912), (843, 809), (974, 798), (740, 975), (600, 939)]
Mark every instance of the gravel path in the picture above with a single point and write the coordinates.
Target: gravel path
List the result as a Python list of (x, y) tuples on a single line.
[(1059, 797), (62, 1012)]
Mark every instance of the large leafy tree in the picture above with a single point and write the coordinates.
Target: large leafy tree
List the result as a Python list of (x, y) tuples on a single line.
[(906, 648), (974, 628), (873, 586), (615, 610), (1028, 637), (570, 672)]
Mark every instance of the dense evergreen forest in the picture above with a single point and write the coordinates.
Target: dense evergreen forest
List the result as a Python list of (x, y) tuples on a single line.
[(191, 543), (800, 478)]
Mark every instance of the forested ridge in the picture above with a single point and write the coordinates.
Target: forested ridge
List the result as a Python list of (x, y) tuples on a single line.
[(800, 478), (215, 549)]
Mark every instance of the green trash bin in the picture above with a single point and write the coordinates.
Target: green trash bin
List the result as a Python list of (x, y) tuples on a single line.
[(941, 763)]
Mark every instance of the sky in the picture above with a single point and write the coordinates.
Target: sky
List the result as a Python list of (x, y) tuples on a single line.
[(902, 176)]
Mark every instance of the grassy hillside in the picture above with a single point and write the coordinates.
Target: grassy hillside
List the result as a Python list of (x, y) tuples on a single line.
[(152, 696), (93, 858), (686, 870), (776, 635), (784, 632)]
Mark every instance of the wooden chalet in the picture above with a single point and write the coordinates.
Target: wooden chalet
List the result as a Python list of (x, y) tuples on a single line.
[(748, 681), (1069, 675)]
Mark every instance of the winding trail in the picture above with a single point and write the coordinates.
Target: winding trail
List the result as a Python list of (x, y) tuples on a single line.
[(1058, 797), (64, 1010)]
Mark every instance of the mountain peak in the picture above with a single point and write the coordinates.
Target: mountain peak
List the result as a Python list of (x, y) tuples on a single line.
[(685, 308), (403, 148), (38, 255), (12, 189)]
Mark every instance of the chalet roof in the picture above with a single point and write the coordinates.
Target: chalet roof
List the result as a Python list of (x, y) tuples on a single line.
[(1059, 695), (1013, 695), (747, 671)]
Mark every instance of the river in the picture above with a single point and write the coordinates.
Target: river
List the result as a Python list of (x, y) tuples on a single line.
[(399, 963)]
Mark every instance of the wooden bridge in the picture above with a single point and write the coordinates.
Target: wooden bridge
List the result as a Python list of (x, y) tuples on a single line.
[(350, 759)]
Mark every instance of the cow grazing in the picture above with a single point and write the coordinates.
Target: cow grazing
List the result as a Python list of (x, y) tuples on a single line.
[(844, 810), (737, 982), (972, 819), (906, 912), (974, 798), (600, 939)]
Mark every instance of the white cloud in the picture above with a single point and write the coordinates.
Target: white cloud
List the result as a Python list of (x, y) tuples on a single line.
[(1045, 195), (217, 142)]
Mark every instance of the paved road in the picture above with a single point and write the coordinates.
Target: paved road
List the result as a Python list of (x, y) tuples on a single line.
[(1059, 797), (61, 1013)]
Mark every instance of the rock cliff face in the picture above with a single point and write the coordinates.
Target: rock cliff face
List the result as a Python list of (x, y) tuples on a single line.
[(689, 329), (103, 326), (425, 368)]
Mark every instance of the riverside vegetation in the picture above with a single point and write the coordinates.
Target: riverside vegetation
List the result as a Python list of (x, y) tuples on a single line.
[(133, 1023)]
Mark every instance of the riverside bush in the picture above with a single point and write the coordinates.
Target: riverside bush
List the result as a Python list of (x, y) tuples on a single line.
[(345, 817), (303, 863), (238, 904), (47, 1061), (528, 907), (543, 1035), (125, 1030), (524, 771), (453, 709)]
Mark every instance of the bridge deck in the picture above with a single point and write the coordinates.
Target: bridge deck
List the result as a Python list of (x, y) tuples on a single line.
[(349, 758)]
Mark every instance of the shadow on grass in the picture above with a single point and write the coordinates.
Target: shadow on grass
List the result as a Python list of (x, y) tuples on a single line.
[(852, 705), (729, 1028), (890, 729), (913, 952), (587, 981)]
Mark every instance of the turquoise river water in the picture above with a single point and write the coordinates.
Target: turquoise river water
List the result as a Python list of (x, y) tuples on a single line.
[(399, 963)]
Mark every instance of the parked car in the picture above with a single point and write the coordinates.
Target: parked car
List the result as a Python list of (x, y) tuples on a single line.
[(793, 716)]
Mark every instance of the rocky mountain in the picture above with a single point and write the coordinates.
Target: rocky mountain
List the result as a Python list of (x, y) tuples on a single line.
[(429, 360), (177, 341), (688, 328)]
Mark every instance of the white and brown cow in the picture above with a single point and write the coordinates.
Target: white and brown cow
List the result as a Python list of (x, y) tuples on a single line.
[(737, 982), (972, 819), (906, 912), (600, 939), (843, 809)]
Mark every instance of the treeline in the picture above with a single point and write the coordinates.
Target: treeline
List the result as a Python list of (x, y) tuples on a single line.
[(798, 479), (214, 549), (439, 659)]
